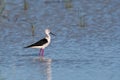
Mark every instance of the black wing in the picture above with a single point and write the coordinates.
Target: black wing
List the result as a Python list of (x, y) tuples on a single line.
[(39, 43)]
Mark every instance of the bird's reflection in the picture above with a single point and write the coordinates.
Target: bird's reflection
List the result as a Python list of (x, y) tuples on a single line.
[(47, 66), (48, 69)]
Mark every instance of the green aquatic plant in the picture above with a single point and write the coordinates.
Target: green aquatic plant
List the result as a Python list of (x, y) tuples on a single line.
[(33, 29), (1, 77), (25, 5), (82, 22), (2, 6), (68, 4)]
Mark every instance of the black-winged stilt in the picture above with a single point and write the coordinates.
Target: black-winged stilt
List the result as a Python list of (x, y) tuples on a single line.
[(43, 43)]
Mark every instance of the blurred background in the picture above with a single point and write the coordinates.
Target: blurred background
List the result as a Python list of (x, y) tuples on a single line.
[(86, 45)]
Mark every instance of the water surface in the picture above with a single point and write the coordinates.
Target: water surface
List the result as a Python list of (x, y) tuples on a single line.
[(86, 46)]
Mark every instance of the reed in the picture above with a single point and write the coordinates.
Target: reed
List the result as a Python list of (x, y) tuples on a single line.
[(25, 5), (68, 4), (82, 22), (2, 6), (33, 30)]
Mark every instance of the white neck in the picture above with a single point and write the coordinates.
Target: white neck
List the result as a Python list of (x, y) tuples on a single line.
[(48, 36)]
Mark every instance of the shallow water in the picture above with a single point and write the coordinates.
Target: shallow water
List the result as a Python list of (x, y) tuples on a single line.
[(86, 46)]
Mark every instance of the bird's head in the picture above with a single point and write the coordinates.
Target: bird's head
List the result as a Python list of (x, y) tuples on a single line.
[(47, 31)]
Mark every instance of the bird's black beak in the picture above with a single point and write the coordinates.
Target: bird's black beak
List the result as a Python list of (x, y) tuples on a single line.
[(52, 34)]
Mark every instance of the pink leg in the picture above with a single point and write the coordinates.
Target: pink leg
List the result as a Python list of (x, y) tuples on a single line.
[(42, 52)]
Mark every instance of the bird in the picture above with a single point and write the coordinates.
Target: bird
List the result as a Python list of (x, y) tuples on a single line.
[(43, 43)]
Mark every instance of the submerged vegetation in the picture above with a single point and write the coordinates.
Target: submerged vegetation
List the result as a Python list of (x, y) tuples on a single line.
[(68, 4), (82, 22), (2, 6), (25, 5), (33, 30)]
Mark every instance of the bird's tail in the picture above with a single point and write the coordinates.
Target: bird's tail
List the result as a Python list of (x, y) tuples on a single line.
[(26, 47), (29, 46)]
